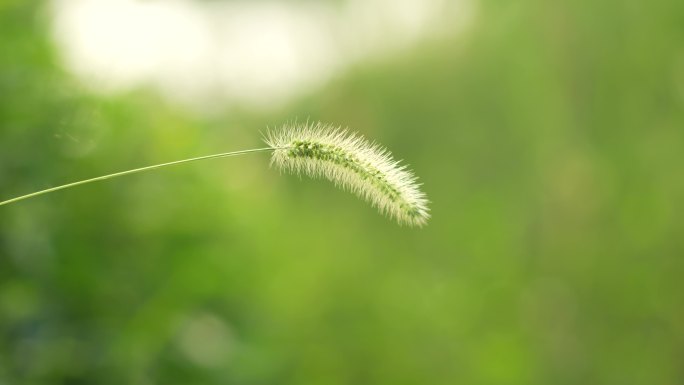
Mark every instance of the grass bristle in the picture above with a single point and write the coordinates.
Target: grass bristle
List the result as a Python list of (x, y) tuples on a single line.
[(352, 163)]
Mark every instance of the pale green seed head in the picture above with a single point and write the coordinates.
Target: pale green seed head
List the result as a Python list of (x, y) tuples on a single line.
[(353, 163)]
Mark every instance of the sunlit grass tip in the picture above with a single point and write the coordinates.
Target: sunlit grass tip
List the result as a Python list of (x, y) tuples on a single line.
[(352, 163), (320, 150)]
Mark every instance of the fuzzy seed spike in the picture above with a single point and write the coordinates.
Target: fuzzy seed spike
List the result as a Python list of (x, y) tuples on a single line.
[(353, 163)]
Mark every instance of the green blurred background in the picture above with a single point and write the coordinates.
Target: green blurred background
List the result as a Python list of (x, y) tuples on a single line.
[(549, 137)]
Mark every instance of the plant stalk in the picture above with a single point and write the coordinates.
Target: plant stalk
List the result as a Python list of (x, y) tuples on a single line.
[(133, 171)]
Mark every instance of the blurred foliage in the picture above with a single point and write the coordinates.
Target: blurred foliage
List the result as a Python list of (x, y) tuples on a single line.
[(549, 137)]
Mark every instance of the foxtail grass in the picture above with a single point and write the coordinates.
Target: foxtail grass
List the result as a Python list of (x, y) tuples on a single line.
[(352, 163), (322, 151)]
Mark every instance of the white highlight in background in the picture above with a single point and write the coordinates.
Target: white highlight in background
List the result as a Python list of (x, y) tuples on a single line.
[(237, 52)]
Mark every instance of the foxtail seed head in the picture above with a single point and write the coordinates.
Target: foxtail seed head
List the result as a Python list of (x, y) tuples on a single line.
[(353, 163)]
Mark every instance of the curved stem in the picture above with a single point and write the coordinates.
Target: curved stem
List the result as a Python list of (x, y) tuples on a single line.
[(122, 173)]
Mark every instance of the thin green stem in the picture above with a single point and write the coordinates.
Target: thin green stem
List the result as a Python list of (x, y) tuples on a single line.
[(122, 173)]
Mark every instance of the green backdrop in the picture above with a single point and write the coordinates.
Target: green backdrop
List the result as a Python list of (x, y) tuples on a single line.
[(549, 138)]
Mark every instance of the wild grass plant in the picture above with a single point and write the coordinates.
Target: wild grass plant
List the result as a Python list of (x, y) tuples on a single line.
[(320, 150)]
